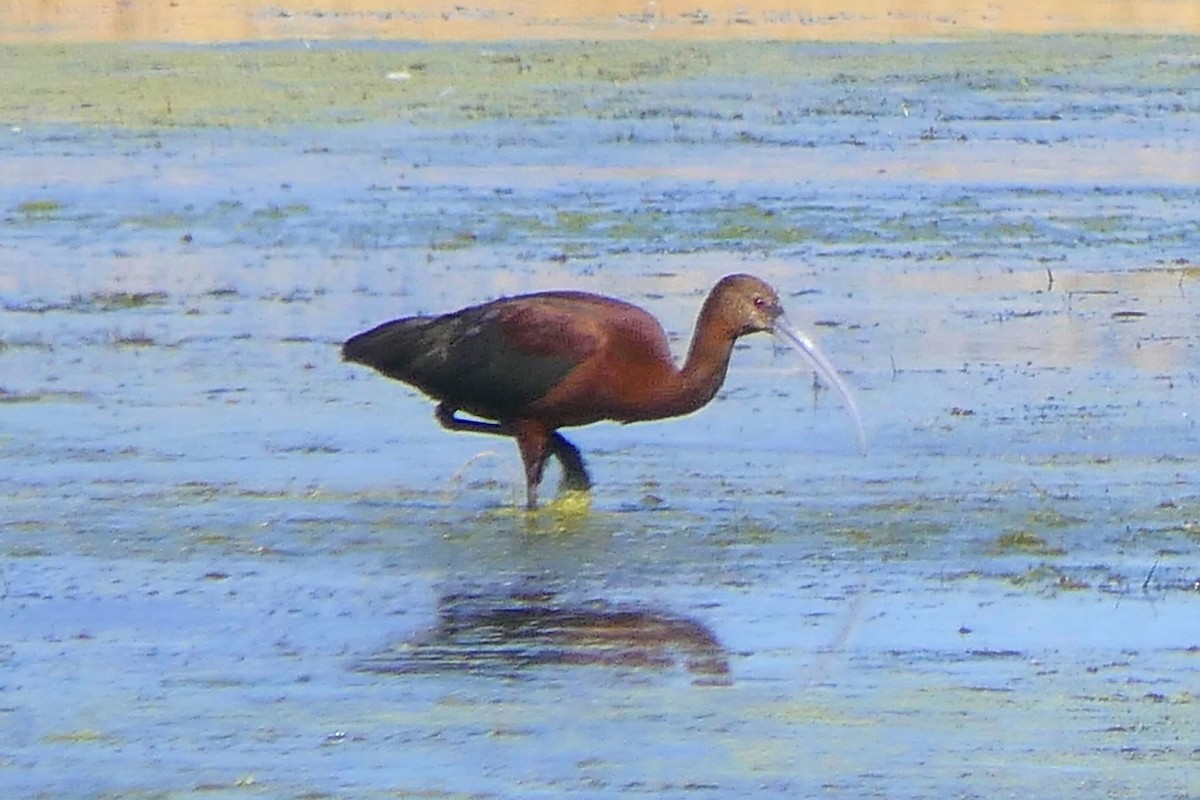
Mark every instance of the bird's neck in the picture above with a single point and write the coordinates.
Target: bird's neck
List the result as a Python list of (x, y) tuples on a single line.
[(703, 372)]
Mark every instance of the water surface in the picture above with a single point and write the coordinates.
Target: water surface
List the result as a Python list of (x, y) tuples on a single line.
[(234, 566)]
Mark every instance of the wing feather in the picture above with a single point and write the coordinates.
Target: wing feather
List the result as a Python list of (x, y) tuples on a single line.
[(492, 360)]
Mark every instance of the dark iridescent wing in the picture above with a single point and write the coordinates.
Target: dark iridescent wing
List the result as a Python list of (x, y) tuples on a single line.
[(493, 360)]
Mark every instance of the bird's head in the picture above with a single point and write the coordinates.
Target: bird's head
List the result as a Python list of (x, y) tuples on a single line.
[(747, 304)]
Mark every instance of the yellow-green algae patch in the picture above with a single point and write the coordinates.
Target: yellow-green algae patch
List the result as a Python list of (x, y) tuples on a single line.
[(146, 86), (39, 208), (81, 736), (1024, 541)]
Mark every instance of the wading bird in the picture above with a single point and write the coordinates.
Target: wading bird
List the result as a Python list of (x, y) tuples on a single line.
[(539, 362)]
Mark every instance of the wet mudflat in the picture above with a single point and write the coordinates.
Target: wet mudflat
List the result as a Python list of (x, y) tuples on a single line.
[(233, 566)]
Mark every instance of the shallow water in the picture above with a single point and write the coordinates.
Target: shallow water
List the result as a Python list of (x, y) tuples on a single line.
[(234, 566)]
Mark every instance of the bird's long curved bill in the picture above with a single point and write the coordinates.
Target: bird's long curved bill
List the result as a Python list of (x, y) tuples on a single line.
[(823, 367)]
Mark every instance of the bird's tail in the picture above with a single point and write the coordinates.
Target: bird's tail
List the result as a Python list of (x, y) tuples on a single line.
[(384, 345)]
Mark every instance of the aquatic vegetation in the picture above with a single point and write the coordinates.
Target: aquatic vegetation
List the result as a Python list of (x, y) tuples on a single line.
[(81, 736), (120, 301), (459, 240), (274, 212), (1049, 577), (1024, 542), (344, 84), (39, 209)]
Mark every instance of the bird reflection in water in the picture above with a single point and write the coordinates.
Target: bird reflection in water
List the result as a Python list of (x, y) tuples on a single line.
[(506, 635)]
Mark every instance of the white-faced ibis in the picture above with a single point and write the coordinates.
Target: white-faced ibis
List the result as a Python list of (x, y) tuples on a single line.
[(539, 362)]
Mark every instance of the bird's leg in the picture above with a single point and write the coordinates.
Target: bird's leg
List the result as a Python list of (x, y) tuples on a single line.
[(533, 440), (445, 415), (533, 471), (575, 477)]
